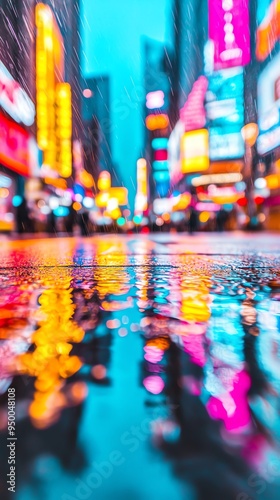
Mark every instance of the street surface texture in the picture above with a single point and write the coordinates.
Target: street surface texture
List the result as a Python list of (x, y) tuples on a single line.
[(144, 367)]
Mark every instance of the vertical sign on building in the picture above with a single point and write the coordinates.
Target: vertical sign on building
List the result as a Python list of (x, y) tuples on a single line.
[(229, 30), (225, 113), (193, 114), (53, 96), (141, 200), (64, 129), (160, 166)]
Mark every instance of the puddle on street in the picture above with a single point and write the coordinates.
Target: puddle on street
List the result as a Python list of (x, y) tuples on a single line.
[(143, 378)]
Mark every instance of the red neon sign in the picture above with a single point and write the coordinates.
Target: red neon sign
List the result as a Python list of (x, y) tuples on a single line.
[(160, 155), (14, 152)]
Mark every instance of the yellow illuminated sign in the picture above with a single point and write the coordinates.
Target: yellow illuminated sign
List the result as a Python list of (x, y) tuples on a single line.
[(141, 200), (195, 151), (45, 83), (182, 202), (114, 214), (64, 129), (86, 179), (142, 184), (53, 98), (120, 193), (104, 181), (157, 122), (102, 199), (273, 181)]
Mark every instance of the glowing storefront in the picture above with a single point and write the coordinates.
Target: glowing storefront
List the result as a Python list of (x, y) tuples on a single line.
[(17, 113)]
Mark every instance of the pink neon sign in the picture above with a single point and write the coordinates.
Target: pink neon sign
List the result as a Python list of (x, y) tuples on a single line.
[(229, 30), (193, 113), (14, 152)]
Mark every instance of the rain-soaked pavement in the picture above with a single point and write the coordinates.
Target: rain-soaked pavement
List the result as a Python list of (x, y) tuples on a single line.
[(142, 368)]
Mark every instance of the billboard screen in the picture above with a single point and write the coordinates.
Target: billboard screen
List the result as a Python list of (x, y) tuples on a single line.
[(195, 151), (269, 106), (225, 114), (229, 30), (14, 100)]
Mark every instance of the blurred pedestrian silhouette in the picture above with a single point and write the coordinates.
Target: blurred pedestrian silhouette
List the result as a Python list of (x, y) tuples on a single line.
[(83, 221), (51, 224), (192, 220), (23, 221), (70, 220), (221, 220)]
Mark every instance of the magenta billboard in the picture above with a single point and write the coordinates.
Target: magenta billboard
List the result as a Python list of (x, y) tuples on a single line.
[(229, 31)]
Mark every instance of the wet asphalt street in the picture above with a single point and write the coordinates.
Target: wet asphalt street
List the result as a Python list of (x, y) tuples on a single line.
[(143, 367)]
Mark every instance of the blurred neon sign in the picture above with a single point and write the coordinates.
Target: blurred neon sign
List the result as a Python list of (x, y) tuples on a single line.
[(225, 145), (160, 155), (104, 181), (155, 100), (49, 72), (203, 180), (160, 143), (225, 114), (14, 146), (229, 30), (157, 121), (193, 112), (64, 129), (14, 100), (5, 181), (269, 106), (202, 206), (174, 152), (195, 151), (161, 176), (270, 140), (161, 205), (120, 194), (160, 165)]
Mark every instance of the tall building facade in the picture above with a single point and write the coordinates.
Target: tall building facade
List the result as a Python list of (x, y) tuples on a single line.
[(189, 38), (19, 93)]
